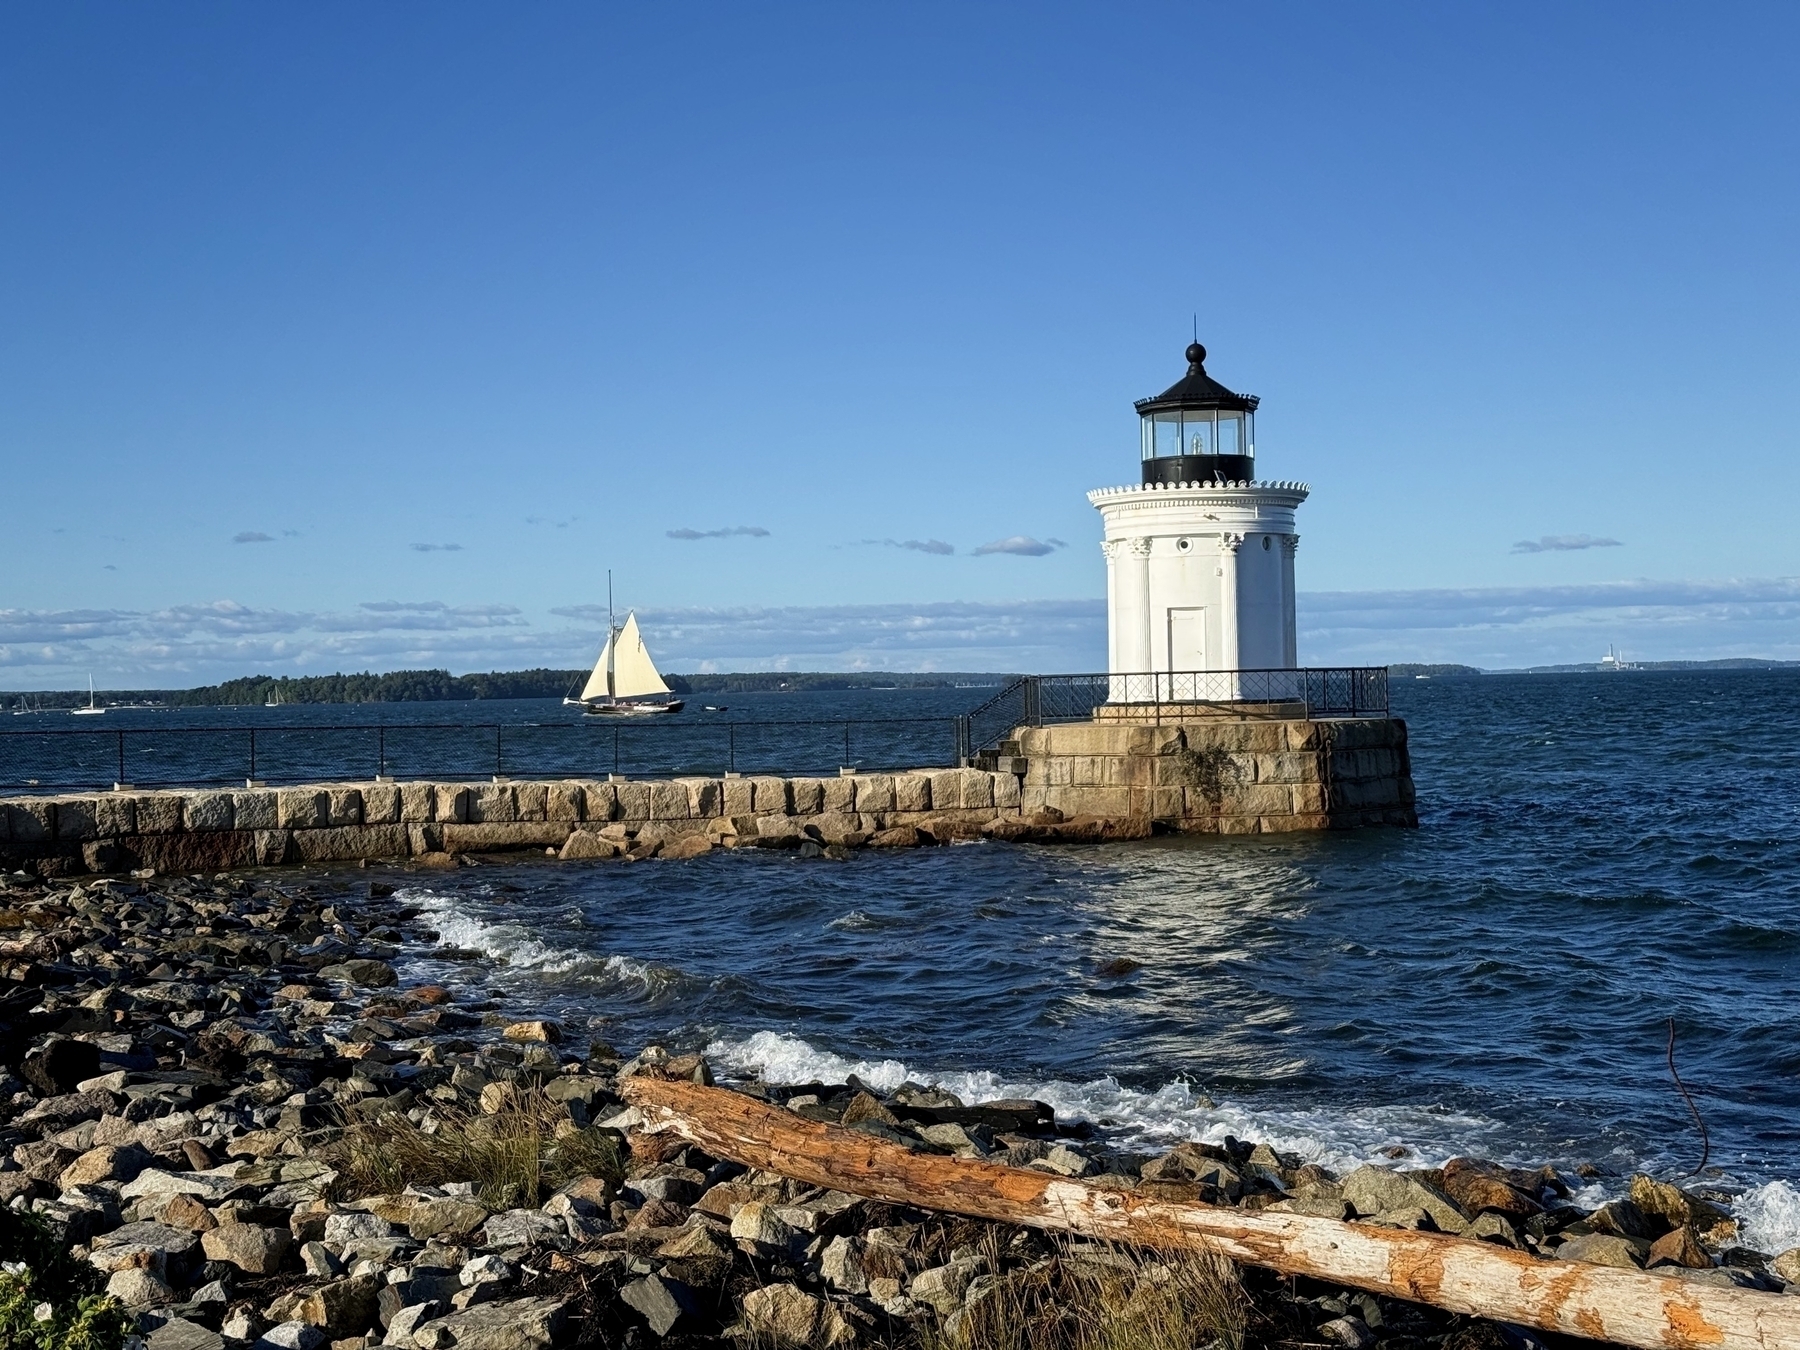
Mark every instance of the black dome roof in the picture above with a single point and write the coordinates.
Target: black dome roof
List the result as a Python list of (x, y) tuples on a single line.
[(1197, 390)]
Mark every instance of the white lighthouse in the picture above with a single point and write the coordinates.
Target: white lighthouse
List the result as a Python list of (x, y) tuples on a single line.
[(1199, 554)]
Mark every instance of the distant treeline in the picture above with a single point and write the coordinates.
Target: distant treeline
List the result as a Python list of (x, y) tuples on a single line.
[(418, 686)]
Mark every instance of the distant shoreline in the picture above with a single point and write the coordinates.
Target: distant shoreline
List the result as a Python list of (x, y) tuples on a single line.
[(431, 686)]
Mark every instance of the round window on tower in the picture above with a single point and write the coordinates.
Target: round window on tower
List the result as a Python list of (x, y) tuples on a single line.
[(1184, 545), (1266, 543)]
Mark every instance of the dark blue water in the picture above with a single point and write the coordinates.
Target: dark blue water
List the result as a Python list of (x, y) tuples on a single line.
[(1596, 854), (763, 732)]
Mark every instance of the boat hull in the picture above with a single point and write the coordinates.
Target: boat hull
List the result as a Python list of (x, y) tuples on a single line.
[(633, 709)]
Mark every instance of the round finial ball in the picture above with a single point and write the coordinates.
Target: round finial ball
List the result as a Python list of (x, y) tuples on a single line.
[(1195, 354)]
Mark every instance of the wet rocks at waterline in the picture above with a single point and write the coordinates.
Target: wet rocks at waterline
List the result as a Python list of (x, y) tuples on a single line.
[(221, 1098)]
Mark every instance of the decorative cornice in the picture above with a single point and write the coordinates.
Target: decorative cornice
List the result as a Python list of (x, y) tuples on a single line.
[(1110, 547), (1202, 492), (1140, 545)]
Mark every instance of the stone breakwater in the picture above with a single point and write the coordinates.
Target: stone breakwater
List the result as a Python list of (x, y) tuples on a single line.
[(222, 1098), (1109, 779)]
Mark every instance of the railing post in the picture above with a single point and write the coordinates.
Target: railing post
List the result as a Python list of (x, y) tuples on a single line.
[(1034, 703), (380, 753), (121, 778), (252, 777), (963, 739), (846, 759), (615, 747), (731, 747), (497, 760)]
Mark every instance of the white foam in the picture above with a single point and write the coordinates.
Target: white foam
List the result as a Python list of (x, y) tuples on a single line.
[(1769, 1217), (518, 947), (1149, 1118)]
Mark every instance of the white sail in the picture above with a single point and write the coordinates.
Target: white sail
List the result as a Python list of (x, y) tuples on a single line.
[(599, 684), (634, 673)]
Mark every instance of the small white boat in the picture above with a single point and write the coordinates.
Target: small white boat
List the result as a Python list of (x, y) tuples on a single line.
[(93, 709), (625, 682)]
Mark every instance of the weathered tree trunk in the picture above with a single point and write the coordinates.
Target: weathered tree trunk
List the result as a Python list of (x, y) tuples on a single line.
[(1630, 1307)]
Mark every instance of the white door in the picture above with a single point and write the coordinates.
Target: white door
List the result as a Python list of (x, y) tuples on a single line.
[(1187, 650)]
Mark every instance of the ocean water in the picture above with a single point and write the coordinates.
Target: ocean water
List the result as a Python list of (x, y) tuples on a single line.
[(1596, 855)]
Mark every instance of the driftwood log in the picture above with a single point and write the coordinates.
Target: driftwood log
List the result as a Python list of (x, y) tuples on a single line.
[(1629, 1307)]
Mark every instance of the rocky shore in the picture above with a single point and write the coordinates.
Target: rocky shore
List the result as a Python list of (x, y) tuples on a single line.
[(226, 1123)]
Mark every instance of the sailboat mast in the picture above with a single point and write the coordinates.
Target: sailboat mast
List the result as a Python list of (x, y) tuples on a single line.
[(612, 637)]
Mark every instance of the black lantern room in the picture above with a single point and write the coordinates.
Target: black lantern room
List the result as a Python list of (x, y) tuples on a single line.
[(1198, 431)]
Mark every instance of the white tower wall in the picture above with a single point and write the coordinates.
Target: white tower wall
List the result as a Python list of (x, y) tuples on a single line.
[(1200, 577)]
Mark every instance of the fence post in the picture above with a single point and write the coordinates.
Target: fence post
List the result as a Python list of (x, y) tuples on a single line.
[(252, 777), (121, 779), (846, 759), (497, 759), (731, 748), (1034, 702), (961, 723), (380, 753), (615, 747)]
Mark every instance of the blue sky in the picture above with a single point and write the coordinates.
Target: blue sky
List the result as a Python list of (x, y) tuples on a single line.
[(816, 322)]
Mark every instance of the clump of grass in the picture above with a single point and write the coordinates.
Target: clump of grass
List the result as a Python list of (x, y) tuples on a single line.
[(1105, 1299), (511, 1156), (49, 1300)]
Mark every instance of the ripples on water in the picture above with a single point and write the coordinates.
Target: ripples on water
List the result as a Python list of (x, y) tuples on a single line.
[(1596, 855)]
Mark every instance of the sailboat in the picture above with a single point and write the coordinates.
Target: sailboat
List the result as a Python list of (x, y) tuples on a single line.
[(625, 682), (93, 709)]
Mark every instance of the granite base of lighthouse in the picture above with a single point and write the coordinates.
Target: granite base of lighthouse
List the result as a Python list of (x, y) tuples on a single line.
[(1207, 769)]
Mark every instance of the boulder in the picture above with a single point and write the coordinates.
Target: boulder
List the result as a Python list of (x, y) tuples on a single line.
[(756, 1222), (1374, 1190), (842, 1268), (180, 1334), (293, 1335), (60, 1064), (1786, 1266), (1679, 1247), (584, 844), (524, 1228), (661, 1302), (343, 1307), (454, 1218), (1672, 1207), (136, 1287), (538, 1031), (520, 1324), (788, 1315), (110, 1162), (1601, 1249), (1479, 1186), (689, 846), (943, 1287), (253, 1249)]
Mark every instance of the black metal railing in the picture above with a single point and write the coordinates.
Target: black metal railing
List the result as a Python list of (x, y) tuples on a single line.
[(49, 759), (59, 759), (1315, 692)]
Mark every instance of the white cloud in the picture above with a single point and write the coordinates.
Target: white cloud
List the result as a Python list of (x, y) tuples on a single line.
[(1021, 545), (750, 531), (1495, 627), (933, 546), (1563, 543)]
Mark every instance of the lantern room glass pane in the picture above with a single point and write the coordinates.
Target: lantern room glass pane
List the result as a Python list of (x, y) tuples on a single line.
[(1197, 434), (1229, 437), (1168, 434)]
